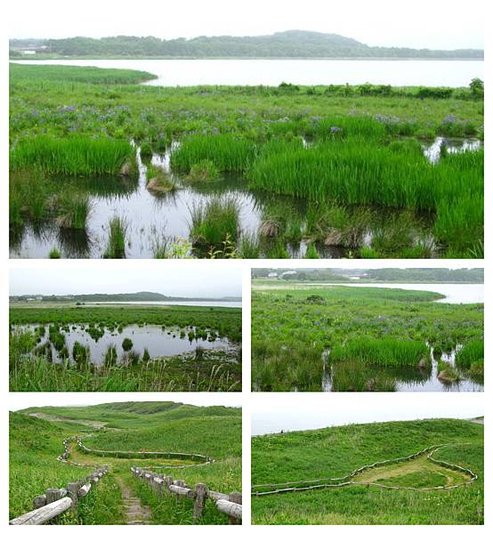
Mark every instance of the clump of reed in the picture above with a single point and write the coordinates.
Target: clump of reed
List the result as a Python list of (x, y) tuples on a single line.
[(204, 171), (471, 353), (81, 355), (73, 210), (116, 241), (226, 151), (385, 352), (447, 372), (354, 375), (214, 222), (159, 181), (73, 156), (359, 172), (110, 356)]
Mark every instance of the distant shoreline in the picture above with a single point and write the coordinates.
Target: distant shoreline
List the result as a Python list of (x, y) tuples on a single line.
[(47, 57)]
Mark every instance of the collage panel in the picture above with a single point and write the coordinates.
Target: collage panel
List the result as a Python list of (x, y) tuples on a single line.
[(106, 460), (268, 300), (157, 327), (368, 459), (357, 329)]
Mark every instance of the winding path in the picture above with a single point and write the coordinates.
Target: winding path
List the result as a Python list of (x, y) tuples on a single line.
[(135, 512)]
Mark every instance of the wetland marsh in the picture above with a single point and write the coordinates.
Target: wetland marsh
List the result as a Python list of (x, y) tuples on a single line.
[(241, 172), (309, 337)]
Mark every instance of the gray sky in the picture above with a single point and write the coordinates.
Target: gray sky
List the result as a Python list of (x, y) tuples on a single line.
[(319, 410), (444, 24), (195, 279)]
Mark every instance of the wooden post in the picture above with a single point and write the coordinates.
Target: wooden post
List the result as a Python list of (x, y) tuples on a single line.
[(39, 501), (72, 491), (236, 498), (53, 494), (181, 484), (200, 496), (44, 514), (168, 481)]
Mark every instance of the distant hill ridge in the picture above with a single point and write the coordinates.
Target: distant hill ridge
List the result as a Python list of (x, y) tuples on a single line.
[(140, 296), (286, 44)]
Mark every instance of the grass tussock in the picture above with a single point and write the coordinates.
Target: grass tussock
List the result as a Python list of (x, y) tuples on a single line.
[(76, 156), (227, 152)]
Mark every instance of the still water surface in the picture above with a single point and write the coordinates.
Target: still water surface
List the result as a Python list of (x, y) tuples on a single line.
[(189, 72), (158, 342)]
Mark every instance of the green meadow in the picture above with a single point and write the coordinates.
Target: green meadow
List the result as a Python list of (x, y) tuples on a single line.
[(36, 440), (289, 458)]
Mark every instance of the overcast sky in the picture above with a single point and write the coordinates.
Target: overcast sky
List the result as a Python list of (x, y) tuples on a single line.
[(444, 24), (319, 410), (195, 279)]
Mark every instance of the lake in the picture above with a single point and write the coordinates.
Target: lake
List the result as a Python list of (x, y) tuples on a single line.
[(190, 72)]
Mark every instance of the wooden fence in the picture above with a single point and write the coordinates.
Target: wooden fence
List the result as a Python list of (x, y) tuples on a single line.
[(231, 504), (56, 501), (307, 485), (199, 458)]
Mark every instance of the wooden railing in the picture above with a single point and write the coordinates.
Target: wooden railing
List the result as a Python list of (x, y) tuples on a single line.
[(229, 504), (56, 501), (200, 459)]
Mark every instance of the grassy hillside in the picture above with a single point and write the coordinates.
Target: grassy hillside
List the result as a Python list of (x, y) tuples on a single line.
[(337, 451), (166, 426)]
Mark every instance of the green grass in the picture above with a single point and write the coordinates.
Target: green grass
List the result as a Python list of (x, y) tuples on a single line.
[(470, 354), (214, 222), (161, 426), (72, 156), (385, 352), (226, 152), (370, 335), (43, 75), (337, 451), (116, 238)]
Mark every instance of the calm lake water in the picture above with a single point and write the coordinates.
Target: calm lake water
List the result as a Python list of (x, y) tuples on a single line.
[(189, 72), (159, 342)]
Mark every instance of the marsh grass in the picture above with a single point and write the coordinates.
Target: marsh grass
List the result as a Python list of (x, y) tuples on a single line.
[(470, 354), (226, 151), (214, 372), (384, 352), (73, 210), (204, 171), (117, 236), (214, 222), (72, 156)]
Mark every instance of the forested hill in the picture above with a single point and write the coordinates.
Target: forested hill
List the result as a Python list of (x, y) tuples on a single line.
[(288, 44)]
